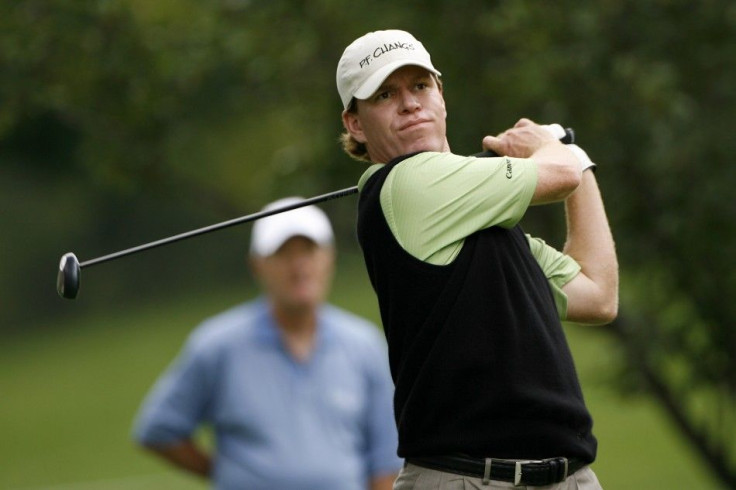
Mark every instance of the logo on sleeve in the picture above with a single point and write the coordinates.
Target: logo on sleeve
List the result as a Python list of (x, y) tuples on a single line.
[(509, 169)]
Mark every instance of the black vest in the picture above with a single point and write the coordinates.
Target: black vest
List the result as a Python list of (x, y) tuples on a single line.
[(477, 352)]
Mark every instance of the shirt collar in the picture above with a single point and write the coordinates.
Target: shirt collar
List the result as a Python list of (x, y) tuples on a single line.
[(268, 330)]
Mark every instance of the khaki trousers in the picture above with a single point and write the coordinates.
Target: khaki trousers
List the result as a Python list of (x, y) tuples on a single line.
[(414, 477)]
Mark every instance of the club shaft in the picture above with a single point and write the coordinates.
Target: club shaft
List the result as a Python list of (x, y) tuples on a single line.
[(219, 226), (568, 138)]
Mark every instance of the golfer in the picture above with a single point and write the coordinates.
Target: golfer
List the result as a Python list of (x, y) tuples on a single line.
[(297, 391), (486, 393)]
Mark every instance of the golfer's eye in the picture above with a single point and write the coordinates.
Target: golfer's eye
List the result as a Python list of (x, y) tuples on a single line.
[(383, 95)]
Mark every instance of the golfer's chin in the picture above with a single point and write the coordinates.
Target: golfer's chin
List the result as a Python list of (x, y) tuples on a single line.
[(425, 144)]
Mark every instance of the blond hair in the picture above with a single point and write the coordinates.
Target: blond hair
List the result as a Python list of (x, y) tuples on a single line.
[(350, 145)]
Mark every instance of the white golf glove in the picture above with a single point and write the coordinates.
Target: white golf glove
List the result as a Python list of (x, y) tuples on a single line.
[(559, 132)]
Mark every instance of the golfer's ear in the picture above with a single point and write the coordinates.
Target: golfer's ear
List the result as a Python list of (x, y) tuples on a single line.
[(352, 124)]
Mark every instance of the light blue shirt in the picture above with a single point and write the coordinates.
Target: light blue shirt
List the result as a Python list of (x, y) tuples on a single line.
[(323, 424)]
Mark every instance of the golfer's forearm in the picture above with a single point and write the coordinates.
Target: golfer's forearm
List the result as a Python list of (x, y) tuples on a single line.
[(590, 242), (558, 173), (186, 456)]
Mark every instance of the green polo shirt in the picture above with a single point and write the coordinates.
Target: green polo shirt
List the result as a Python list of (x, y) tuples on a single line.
[(432, 201)]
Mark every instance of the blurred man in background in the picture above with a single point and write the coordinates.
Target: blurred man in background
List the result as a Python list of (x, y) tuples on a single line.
[(297, 391)]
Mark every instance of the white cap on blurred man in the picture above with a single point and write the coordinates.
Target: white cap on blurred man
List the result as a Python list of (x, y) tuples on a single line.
[(270, 233), (370, 59)]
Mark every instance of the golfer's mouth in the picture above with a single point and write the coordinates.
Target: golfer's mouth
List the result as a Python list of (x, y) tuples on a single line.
[(414, 124)]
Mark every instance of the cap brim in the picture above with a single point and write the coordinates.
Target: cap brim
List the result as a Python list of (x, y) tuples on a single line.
[(271, 244), (374, 81)]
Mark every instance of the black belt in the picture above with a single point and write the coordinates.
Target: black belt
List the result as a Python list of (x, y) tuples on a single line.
[(530, 473)]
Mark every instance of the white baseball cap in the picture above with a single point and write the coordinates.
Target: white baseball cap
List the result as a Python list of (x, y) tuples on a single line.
[(271, 232), (370, 59)]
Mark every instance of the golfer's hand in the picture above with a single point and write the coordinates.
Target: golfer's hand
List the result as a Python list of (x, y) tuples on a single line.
[(521, 141)]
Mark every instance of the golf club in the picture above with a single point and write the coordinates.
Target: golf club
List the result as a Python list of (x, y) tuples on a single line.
[(69, 276)]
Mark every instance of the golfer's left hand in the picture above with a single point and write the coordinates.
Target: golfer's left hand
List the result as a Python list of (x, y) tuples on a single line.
[(521, 141)]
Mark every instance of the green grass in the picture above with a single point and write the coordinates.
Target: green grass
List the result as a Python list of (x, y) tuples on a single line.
[(69, 392), (638, 447)]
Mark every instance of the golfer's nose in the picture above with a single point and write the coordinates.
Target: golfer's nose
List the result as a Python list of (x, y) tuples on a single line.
[(409, 101)]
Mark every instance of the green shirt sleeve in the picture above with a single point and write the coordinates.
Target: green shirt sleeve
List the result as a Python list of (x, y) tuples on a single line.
[(557, 267), (432, 201)]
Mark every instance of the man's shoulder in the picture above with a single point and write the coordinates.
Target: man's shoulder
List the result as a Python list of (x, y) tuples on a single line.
[(223, 328), (350, 325), (428, 165), (433, 157), (368, 173)]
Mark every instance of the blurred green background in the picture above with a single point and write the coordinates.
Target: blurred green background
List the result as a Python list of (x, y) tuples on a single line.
[(125, 121)]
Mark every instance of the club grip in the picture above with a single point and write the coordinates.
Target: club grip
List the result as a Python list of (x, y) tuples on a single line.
[(569, 138)]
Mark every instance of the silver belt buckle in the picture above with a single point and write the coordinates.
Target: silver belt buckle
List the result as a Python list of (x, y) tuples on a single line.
[(518, 470)]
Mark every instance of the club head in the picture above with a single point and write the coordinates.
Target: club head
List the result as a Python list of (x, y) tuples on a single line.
[(569, 137), (67, 280)]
